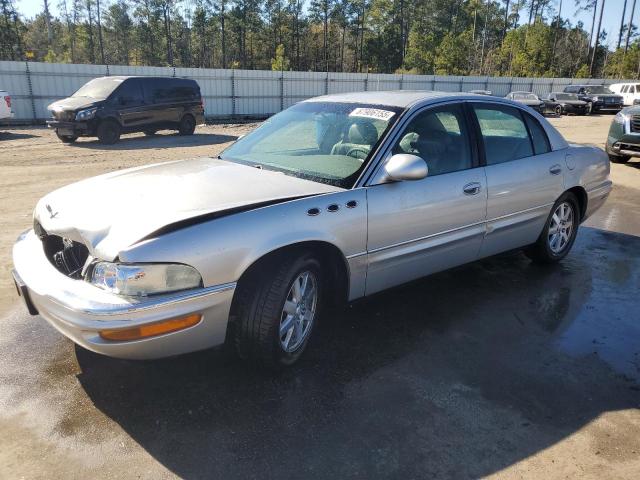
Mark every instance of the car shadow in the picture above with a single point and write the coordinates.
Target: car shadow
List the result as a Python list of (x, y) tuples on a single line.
[(458, 375), (160, 140), (5, 135)]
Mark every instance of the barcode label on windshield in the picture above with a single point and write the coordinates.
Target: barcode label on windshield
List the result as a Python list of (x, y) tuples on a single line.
[(372, 113)]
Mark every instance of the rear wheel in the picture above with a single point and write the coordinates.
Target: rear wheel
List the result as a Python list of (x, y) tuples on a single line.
[(108, 132), (187, 125), (275, 310), (66, 138), (558, 110), (619, 158), (559, 232)]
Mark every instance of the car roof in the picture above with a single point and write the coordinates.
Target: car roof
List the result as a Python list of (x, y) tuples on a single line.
[(523, 92), (394, 98), (148, 77), (409, 98)]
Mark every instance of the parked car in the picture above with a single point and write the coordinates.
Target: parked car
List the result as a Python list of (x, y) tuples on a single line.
[(529, 99), (598, 97), (568, 103), (630, 92), (336, 198), (5, 105), (109, 106), (623, 141), (481, 92)]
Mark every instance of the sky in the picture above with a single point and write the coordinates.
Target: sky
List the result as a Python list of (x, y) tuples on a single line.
[(610, 18)]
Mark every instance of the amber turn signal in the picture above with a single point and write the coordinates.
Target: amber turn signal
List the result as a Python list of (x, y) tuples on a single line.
[(152, 329)]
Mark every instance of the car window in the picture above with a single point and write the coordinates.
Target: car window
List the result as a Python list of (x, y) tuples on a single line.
[(538, 135), (570, 89), (624, 89), (440, 137), (504, 133), (329, 142), (632, 89), (158, 90), (129, 93)]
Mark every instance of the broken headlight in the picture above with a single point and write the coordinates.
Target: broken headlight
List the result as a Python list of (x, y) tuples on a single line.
[(144, 279)]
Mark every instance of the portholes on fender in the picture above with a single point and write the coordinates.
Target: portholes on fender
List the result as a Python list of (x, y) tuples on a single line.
[(313, 211), (352, 204), (334, 207)]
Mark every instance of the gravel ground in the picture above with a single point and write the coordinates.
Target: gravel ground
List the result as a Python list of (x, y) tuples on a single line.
[(499, 368)]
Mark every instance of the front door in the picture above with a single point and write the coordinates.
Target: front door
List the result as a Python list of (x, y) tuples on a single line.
[(129, 101), (420, 227), (524, 177)]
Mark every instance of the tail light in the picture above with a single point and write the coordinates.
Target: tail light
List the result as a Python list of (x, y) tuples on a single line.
[(7, 99)]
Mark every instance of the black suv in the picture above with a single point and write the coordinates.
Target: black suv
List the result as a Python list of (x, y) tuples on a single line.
[(108, 106), (598, 97)]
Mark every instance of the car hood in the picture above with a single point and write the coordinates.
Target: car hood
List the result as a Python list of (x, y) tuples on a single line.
[(73, 103), (112, 212), (577, 103)]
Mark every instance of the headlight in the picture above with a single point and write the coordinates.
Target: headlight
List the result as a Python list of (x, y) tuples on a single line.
[(595, 98), (144, 279), (621, 117), (86, 114)]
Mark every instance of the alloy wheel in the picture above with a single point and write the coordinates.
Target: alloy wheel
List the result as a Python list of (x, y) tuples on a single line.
[(298, 312), (560, 228)]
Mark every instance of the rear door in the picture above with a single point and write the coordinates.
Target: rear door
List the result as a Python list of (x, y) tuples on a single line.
[(423, 226), (161, 95), (524, 177)]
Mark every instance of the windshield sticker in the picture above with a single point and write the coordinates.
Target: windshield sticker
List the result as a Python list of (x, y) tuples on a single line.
[(376, 113)]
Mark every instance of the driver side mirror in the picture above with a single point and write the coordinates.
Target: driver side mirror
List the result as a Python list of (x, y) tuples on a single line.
[(405, 166)]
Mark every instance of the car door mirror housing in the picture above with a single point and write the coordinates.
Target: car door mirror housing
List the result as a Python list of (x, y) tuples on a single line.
[(405, 166)]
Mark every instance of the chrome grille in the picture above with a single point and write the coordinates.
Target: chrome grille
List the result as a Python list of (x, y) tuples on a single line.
[(635, 123), (64, 115)]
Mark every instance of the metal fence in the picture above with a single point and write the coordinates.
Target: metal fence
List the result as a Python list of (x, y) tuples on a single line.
[(245, 93)]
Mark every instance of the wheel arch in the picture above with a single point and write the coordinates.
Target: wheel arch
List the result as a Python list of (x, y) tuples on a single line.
[(581, 194), (333, 261)]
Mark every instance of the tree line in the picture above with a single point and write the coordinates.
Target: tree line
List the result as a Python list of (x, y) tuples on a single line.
[(445, 37)]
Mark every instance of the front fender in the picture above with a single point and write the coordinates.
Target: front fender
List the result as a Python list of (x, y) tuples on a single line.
[(222, 249)]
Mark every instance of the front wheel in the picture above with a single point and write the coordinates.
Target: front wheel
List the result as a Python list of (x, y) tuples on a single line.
[(66, 138), (558, 110), (559, 232), (589, 109), (108, 132), (275, 311)]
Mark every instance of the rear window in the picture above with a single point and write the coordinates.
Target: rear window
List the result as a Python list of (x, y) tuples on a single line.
[(162, 90)]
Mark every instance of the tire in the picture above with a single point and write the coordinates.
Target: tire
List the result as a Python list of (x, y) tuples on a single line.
[(589, 109), (549, 248), (266, 304), (619, 158), (66, 138), (109, 132), (187, 125), (150, 133), (558, 110)]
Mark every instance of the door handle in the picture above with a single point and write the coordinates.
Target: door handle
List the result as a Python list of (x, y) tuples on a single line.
[(555, 169), (471, 188)]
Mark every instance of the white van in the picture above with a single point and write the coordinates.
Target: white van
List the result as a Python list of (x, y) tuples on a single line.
[(629, 91)]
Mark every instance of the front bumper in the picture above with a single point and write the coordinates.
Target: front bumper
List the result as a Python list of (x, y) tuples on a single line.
[(70, 128), (627, 145), (80, 310), (604, 107)]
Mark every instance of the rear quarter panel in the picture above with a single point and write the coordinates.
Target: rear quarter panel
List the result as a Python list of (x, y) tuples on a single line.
[(588, 167)]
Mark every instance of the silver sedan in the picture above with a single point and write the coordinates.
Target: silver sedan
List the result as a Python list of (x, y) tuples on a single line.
[(335, 198)]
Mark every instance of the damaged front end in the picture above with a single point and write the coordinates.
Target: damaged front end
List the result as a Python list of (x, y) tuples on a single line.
[(68, 256)]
